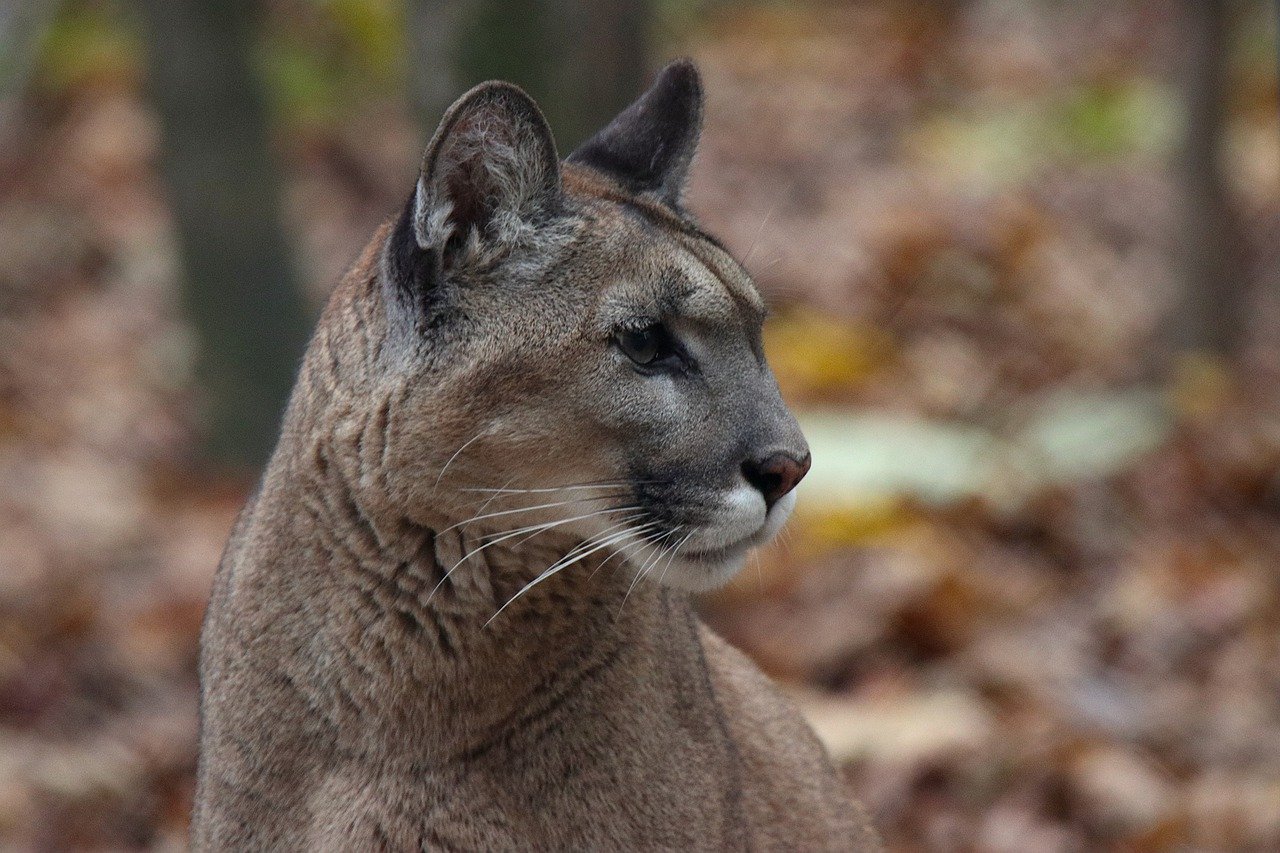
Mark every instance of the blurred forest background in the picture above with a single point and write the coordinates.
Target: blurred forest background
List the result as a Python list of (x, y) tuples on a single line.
[(1025, 262)]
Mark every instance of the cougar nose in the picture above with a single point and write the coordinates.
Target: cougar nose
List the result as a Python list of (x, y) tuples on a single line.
[(775, 475)]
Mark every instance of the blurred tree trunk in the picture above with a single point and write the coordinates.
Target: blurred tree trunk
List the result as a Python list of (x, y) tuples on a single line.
[(240, 287), (604, 63), (431, 33), (582, 60), (22, 30), (1210, 315)]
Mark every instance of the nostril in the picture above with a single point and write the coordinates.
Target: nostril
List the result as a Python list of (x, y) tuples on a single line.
[(775, 475), (765, 481)]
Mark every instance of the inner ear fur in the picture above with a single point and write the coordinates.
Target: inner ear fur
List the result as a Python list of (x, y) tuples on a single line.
[(490, 173), (649, 147)]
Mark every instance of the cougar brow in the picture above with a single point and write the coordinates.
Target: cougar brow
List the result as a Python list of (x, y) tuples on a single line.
[(698, 243)]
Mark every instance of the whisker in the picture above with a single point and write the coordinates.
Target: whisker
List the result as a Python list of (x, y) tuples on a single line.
[(560, 565), (649, 563), (648, 539), (502, 536), (760, 233), (536, 528), (550, 505), (484, 497), (674, 552), (597, 537), (506, 490), (625, 521), (493, 497), (581, 551), (456, 453), (654, 543)]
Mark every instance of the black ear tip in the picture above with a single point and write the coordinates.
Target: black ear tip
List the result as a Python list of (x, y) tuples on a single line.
[(681, 75), (649, 146), (685, 69), (676, 96)]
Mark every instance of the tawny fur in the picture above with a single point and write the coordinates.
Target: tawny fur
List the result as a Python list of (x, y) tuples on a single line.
[(354, 698)]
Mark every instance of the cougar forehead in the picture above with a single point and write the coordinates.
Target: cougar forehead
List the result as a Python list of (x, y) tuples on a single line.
[(667, 263)]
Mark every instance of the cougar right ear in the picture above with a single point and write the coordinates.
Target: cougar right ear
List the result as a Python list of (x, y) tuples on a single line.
[(490, 171), (490, 175)]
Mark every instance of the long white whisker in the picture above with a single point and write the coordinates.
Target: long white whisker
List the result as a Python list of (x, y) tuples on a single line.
[(674, 552), (536, 528), (658, 554), (546, 525), (560, 565), (649, 563), (624, 521), (649, 538), (506, 490), (488, 496), (500, 513), (650, 566), (457, 453), (585, 550), (607, 532), (587, 543), (493, 497)]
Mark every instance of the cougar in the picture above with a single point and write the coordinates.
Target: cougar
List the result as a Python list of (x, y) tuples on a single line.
[(533, 418)]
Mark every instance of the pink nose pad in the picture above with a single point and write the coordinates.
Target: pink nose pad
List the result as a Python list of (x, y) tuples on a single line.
[(776, 475)]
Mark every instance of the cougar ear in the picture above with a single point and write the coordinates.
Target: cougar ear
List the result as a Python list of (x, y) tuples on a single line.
[(491, 171), (649, 146)]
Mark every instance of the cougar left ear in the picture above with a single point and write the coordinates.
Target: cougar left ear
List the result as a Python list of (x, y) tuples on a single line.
[(649, 147)]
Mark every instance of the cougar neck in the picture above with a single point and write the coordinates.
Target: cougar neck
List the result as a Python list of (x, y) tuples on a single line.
[(405, 643)]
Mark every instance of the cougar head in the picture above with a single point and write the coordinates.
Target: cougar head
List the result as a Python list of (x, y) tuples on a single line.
[(570, 351)]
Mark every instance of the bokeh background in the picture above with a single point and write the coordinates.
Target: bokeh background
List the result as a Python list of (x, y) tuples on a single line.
[(1024, 258)]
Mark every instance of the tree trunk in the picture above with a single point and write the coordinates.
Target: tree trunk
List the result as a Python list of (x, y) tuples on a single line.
[(582, 60), (240, 287), (22, 30), (1210, 315)]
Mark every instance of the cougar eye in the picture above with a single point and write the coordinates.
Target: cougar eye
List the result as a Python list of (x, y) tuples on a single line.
[(650, 346)]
